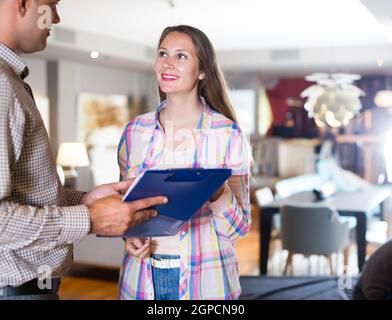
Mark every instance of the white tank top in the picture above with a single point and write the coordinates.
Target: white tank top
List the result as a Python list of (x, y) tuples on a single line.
[(171, 245)]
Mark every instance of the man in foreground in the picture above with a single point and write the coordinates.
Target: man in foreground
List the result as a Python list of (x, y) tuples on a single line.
[(39, 220)]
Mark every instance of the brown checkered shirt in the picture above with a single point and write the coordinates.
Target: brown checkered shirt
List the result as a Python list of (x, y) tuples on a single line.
[(38, 219)]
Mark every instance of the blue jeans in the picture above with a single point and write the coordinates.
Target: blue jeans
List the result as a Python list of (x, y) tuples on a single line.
[(166, 281)]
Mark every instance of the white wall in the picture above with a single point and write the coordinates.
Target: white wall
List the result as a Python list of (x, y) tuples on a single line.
[(37, 77), (75, 78)]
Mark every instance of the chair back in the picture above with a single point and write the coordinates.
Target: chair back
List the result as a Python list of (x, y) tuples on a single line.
[(312, 230)]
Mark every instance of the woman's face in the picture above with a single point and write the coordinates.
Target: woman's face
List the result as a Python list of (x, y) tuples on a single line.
[(177, 64)]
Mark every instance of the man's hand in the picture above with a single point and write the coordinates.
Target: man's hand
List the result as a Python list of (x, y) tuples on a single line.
[(138, 247), (111, 216), (105, 190)]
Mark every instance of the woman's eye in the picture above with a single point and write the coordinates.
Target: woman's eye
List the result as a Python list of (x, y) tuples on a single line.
[(161, 53), (182, 56)]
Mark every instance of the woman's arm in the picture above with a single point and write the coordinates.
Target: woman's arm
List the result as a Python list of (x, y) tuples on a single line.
[(231, 211), (138, 247)]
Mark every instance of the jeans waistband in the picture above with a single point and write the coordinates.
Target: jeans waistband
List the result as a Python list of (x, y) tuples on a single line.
[(165, 256), (164, 261)]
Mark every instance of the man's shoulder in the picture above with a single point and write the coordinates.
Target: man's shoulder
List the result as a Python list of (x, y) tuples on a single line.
[(6, 76), (6, 84), (5, 69), (8, 88)]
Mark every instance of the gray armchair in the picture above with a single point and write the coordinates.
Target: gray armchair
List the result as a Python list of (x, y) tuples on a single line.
[(313, 230)]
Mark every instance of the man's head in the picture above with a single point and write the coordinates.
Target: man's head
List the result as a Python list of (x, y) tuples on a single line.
[(25, 24)]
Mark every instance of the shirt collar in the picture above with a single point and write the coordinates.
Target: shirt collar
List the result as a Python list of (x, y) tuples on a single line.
[(205, 119), (15, 62)]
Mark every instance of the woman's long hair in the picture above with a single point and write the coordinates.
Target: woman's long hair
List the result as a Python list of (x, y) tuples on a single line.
[(213, 86)]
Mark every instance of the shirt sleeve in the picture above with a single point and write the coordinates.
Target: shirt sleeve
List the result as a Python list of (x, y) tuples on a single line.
[(74, 197), (134, 145), (231, 211), (22, 226), (122, 152)]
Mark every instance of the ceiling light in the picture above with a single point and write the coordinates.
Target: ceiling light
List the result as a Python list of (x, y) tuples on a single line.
[(94, 54), (383, 99), (334, 100), (171, 3), (380, 62)]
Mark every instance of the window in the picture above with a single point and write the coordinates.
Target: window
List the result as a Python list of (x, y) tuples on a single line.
[(244, 103)]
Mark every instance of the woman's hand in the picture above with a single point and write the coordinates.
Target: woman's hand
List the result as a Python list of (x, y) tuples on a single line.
[(138, 247)]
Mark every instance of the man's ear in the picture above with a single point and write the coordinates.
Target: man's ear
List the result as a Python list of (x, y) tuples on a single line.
[(202, 75), (22, 6)]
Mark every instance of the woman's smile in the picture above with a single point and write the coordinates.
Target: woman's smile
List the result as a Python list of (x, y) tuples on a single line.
[(169, 77)]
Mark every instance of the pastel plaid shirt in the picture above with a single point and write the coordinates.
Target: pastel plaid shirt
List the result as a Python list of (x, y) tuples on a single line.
[(208, 263), (37, 219)]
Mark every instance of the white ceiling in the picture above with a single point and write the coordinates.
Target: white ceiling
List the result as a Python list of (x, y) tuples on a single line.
[(317, 32)]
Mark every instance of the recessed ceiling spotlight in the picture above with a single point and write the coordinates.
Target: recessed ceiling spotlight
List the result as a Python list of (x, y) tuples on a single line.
[(171, 3), (94, 54)]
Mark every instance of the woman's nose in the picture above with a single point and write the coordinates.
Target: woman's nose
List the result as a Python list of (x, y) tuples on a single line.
[(168, 64)]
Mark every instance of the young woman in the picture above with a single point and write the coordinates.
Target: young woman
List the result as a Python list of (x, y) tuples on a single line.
[(193, 126)]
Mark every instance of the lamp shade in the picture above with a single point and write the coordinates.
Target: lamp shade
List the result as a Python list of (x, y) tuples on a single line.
[(333, 101), (72, 154)]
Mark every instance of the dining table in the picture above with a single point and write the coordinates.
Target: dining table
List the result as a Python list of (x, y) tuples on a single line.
[(358, 204)]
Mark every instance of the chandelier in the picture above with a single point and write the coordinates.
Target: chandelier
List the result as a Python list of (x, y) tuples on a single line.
[(334, 100)]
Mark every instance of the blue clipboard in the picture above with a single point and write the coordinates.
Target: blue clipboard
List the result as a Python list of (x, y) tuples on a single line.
[(187, 191)]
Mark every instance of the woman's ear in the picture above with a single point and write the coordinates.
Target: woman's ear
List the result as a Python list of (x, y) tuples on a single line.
[(202, 75)]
